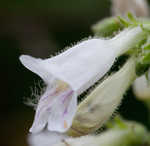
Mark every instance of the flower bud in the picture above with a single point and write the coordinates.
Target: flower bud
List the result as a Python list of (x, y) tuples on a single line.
[(141, 88), (99, 106)]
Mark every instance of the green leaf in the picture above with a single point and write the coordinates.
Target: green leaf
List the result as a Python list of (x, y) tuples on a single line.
[(147, 47), (146, 59)]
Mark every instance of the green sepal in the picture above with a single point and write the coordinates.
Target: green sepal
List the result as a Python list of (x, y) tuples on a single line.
[(147, 47), (132, 21), (143, 58), (137, 49), (141, 68), (146, 59), (107, 27), (124, 22), (117, 123), (145, 27), (132, 18)]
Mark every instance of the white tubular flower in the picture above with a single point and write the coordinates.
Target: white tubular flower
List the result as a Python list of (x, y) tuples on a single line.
[(70, 73), (141, 88)]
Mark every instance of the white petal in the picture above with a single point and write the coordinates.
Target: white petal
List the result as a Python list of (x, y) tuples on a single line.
[(61, 120), (141, 88), (80, 66), (35, 65), (56, 107), (45, 138)]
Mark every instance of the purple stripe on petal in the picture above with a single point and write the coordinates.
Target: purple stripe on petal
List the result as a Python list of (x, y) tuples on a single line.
[(65, 112), (66, 96)]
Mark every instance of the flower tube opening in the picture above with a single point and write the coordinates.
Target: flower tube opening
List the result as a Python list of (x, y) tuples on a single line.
[(57, 106)]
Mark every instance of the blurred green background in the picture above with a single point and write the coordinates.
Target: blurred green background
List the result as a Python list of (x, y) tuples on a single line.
[(41, 28)]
